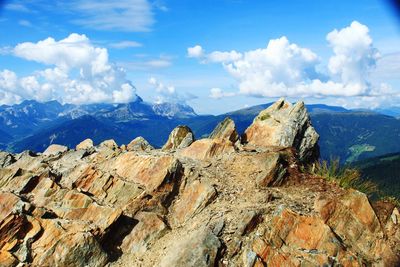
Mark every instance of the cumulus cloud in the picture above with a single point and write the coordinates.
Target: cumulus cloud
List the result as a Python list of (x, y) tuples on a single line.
[(213, 57), (78, 72), (195, 51), (168, 93), (218, 93), (286, 69)]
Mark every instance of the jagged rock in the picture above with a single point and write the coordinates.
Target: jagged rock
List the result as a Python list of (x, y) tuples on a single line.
[(265, 168), (85, 144), (148, 171), (55, 149), (225, 130), (180, 137), (353, 219), (139, 144), (197, 249), (149, 228), (207, 148), (213, 203), (66, 244), (285, 125), (196, 197), (6, 159), (7, 259), (111, 144)]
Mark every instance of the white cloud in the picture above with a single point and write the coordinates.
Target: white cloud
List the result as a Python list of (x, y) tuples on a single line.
[(214, 57), (167, 93), (286, 69), (195, 51), (354, 55), (126, 44), (79, 73), (122, 15), (218, 93)]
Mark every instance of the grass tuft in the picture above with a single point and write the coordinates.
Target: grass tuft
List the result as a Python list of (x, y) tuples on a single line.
[(345, 177)]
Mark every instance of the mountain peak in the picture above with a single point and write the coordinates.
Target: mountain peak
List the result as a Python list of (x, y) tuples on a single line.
[(212, 202)]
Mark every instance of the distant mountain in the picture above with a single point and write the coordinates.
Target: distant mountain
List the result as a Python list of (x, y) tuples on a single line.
[(69, 133), (31, 118), (347, 134), (390, 111), (384, 171)]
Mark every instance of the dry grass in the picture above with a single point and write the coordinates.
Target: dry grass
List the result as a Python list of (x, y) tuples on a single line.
[(345, 177)]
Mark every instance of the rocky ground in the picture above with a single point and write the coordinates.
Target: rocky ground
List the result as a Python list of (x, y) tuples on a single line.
[(220, 201)]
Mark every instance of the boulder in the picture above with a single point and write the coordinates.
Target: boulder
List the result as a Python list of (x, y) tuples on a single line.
[(180, 137), (207, 148), (148, 171), (196, 196), (149, 228), (6, 159), (198, 249), (139, 144), (85, 144), (110, 143), (55, 150), (285, 125), (66, 244), (225, 130), (266, 169), (353, 219)]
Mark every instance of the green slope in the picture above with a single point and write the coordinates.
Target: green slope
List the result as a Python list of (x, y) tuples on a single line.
[(384, 171)]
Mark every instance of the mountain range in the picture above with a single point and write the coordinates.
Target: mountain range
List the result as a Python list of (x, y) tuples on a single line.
[(350, 135)]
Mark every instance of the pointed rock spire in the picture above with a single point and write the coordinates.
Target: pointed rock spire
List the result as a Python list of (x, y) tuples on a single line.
[(286, 125)]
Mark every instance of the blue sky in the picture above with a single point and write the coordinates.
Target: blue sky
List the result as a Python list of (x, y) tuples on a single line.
[(217, 56)]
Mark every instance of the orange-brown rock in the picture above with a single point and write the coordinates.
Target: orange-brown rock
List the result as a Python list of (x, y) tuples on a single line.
[(207, 148), (284, 125), (353, 219), (85, 144), (148, 171), (225, 130), (55, 149), (214, 203), (150, 227), (139, 144), (195, 197)]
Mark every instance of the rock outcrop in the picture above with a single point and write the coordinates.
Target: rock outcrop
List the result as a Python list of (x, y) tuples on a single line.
[(139, 144), (85, 144), (225, 130), (285, 125), (211, 203), (180, 137)]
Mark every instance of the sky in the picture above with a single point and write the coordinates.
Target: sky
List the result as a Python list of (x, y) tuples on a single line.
[(215, 55)]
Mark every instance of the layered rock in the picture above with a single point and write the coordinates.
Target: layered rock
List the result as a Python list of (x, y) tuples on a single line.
[(139, 144), (180, 137), (225, 130), (211, 203), (85, 144), (285, 125)]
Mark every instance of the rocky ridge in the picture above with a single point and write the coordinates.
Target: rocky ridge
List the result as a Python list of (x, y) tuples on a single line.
[(218, 201)]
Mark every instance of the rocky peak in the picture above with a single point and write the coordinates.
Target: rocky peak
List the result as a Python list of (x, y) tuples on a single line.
[(211, 203), (285, 125)]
